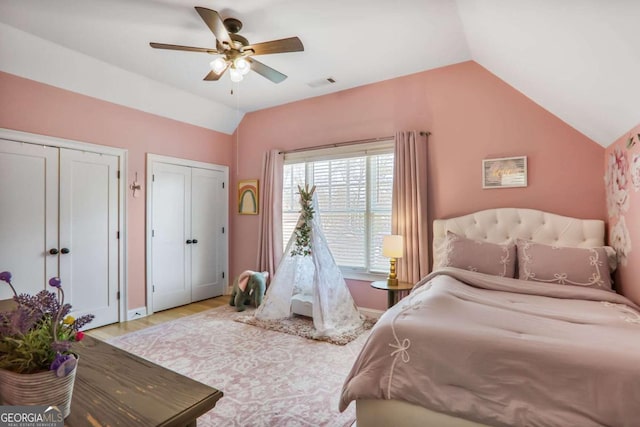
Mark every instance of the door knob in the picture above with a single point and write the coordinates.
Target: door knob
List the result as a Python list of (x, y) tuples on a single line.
[(195, 241), (189, 242), (53, 251), (64, 251)]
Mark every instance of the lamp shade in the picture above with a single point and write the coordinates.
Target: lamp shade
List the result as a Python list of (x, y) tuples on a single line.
[(242, 65), (392, 246), (236, 76), (218, 65)]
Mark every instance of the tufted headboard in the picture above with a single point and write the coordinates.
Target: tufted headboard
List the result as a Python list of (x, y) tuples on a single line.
[(503, 224)]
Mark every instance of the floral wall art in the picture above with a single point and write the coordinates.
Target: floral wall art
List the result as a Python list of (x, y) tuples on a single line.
[(617, 184), (622, 183)]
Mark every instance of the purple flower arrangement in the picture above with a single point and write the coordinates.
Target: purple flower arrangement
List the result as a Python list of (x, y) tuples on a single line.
[(37, 334)]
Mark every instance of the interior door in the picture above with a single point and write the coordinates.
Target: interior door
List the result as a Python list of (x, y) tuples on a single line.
[(170, 224), (28, 215), (89, 234), (207, 220)]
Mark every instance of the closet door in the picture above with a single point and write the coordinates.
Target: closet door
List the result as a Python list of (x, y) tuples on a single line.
[(170, 223), (28, 215), (89, 233), (207, 221)]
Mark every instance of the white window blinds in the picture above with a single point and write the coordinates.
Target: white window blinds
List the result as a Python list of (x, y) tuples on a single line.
[(354, 187)]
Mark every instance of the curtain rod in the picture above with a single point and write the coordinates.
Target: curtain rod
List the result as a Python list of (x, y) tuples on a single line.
[(342, 144)]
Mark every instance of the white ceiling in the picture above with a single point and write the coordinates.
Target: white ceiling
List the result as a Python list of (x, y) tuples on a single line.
[(579, 59)]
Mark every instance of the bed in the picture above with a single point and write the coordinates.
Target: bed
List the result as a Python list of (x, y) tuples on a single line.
[(473, 346)]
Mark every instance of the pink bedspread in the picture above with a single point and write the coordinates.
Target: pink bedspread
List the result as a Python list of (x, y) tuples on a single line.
[(506, 352)]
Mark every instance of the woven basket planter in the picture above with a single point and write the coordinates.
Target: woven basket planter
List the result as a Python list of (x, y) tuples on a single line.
[(42, 388)]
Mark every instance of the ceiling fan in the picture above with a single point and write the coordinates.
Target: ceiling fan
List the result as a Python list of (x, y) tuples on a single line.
[(235, 50)]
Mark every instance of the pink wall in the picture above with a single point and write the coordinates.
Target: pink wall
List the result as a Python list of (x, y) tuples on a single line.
[(622, 175), (472, 115), (34, 107)]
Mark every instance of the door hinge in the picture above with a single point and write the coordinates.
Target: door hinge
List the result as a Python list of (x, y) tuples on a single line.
[(223, 274), (153, 177), (222, 230), (153, 233), (153, 288), (117, 234), (118, 174), (222, 184), (118, 295)]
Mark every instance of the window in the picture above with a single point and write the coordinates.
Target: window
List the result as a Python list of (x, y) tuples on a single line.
[(354, 187)]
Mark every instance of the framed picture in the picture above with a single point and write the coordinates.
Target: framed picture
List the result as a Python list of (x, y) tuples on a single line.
[(248, 197), (505, 172)]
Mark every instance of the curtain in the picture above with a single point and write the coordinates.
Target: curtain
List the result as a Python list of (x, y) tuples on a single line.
[(409, 205), (270, 233)]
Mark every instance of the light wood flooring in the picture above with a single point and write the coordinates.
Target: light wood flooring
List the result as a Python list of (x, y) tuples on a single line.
[(117, 329)]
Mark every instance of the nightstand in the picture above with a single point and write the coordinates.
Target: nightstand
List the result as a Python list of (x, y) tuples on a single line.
[(393, 292)]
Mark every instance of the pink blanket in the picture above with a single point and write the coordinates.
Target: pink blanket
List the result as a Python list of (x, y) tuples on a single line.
[(506, 352)]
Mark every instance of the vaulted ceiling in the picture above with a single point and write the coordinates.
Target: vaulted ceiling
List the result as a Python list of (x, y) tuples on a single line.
[(579, 59)]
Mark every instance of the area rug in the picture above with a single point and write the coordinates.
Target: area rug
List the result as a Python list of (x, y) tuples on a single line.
[(268, 378), (303, 327)]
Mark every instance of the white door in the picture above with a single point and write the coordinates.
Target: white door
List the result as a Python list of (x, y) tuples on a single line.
[(89, 234), (28, 215), (170, 224), (207, 222)]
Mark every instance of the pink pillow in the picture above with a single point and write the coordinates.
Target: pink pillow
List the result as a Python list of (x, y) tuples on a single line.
[(587, 267), (476, 255)]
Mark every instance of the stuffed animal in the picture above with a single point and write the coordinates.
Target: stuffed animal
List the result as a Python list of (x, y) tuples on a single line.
[(249, 288)]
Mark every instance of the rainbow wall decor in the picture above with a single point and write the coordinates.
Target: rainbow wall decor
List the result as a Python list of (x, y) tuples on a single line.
[(248, 197)]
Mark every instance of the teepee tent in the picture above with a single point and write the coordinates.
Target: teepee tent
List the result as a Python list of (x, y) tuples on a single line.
[(307, 268)]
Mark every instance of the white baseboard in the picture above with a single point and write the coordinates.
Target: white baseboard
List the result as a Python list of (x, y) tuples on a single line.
[(137, 313), (371, 312)]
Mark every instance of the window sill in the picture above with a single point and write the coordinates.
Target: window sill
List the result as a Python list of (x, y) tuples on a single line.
[(361, 275)]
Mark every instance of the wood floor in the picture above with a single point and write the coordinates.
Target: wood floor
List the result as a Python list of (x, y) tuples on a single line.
[(117, 329)]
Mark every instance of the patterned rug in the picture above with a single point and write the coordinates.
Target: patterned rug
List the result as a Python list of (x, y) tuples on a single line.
[(303, 327), (268, 378)]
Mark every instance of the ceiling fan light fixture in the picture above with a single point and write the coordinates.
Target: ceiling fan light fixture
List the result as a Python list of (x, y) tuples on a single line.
[(235, 50), (242, 65), (218, 65), (235, 75)]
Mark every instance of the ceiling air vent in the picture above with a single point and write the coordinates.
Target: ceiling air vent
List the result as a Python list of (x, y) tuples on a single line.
[(322, 82)]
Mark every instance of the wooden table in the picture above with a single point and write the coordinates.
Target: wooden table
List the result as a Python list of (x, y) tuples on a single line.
[(393, 292), (116, 388)]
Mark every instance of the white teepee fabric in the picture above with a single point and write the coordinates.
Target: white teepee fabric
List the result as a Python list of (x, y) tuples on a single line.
[(334, 311)]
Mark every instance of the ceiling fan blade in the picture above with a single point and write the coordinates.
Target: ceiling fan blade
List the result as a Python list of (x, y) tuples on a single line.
[(213, 76), (215, 24), (266, 71), (292, 44), (179, 47)]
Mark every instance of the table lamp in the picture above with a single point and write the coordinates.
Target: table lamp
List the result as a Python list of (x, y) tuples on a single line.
[(393, 248)]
